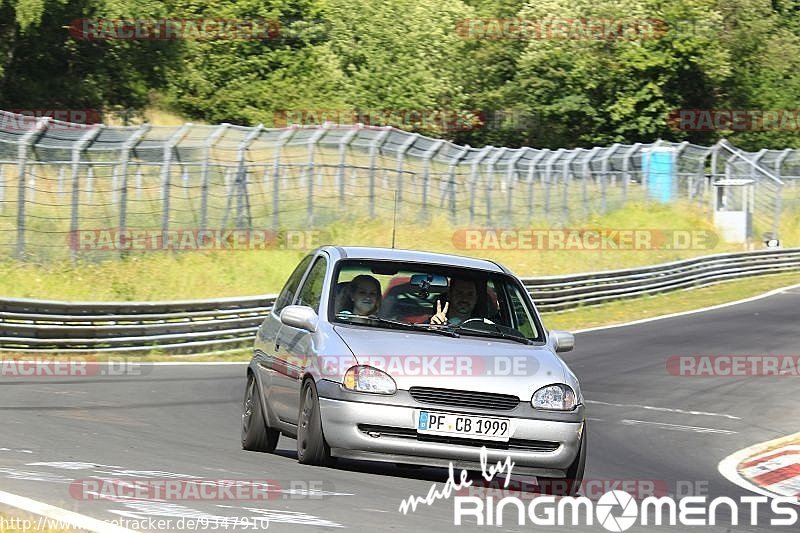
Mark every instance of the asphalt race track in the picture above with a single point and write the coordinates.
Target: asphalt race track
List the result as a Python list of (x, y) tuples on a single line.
[(183, 422)]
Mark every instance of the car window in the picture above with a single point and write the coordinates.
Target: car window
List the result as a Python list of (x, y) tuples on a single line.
[(521, 318), (412, 293), (287, 294), (312, 289)]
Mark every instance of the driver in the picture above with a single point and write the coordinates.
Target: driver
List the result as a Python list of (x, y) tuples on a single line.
[(462, 297)]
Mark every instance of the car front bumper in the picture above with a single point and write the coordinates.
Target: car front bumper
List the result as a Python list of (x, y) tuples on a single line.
[(383, 428)]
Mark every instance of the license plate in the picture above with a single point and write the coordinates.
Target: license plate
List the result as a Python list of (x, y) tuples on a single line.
[(464, 426)]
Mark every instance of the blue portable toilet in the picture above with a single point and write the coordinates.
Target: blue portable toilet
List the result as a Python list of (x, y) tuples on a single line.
[(658, 173)]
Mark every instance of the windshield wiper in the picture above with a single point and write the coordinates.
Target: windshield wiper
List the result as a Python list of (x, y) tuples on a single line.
[(404, 325), (497, 333)]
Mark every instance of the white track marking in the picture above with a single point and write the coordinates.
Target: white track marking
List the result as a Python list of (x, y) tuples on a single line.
[(663, 409), (71, 465), (684, 313), (676, 427), (56, 513)]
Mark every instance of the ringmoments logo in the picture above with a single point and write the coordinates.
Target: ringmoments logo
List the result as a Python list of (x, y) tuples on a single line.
[(615, 510)]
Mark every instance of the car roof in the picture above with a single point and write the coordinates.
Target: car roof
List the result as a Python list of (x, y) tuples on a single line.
[(412, 256)]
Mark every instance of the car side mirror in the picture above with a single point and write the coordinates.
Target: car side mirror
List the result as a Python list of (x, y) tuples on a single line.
[(563, 341), (300, 316)]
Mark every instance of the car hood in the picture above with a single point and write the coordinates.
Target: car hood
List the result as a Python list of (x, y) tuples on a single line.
[(468, 363)]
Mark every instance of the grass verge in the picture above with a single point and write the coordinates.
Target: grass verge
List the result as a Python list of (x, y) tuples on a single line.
[(191, 275)]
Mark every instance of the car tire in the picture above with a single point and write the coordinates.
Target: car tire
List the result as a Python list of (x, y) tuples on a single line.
[(571, 484), (311, 446), (257, 436)]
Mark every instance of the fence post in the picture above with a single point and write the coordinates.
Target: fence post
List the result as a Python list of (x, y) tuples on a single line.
[(714, 161), (779, 161), (546, 179), (587, 170), (344, 143), (490, 164), (25, 143), (125, 158), (401, 157), (473, 178), (676, 160), (531, 172), (85, 140), (510, 173), (373, 149), (451, 184), (205, 170), (566, 174), (699, 174), (626, 167), (240, 183), (166, 170), (426, 176), (312, 145), (276, 175)]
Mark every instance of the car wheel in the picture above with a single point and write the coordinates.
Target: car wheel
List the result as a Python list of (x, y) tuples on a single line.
[(257, 436), (311, 446), (571, 484)]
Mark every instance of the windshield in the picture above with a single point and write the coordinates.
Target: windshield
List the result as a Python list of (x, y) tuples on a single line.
[(395, 295)]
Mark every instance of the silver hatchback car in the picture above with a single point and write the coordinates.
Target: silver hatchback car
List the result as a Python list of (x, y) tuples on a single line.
[(414, 358)]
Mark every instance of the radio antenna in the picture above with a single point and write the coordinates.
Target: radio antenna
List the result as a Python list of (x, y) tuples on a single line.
[(394, 218)]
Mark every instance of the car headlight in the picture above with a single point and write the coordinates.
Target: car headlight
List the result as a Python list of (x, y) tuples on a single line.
[(556, 397), (368, 379)]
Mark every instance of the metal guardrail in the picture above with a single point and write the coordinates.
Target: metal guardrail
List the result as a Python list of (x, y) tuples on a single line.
[(194, 326)]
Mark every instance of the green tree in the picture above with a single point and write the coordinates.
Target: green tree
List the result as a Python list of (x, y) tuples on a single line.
[(586, 90), (249, 81), (404, 55), (45, 65)]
